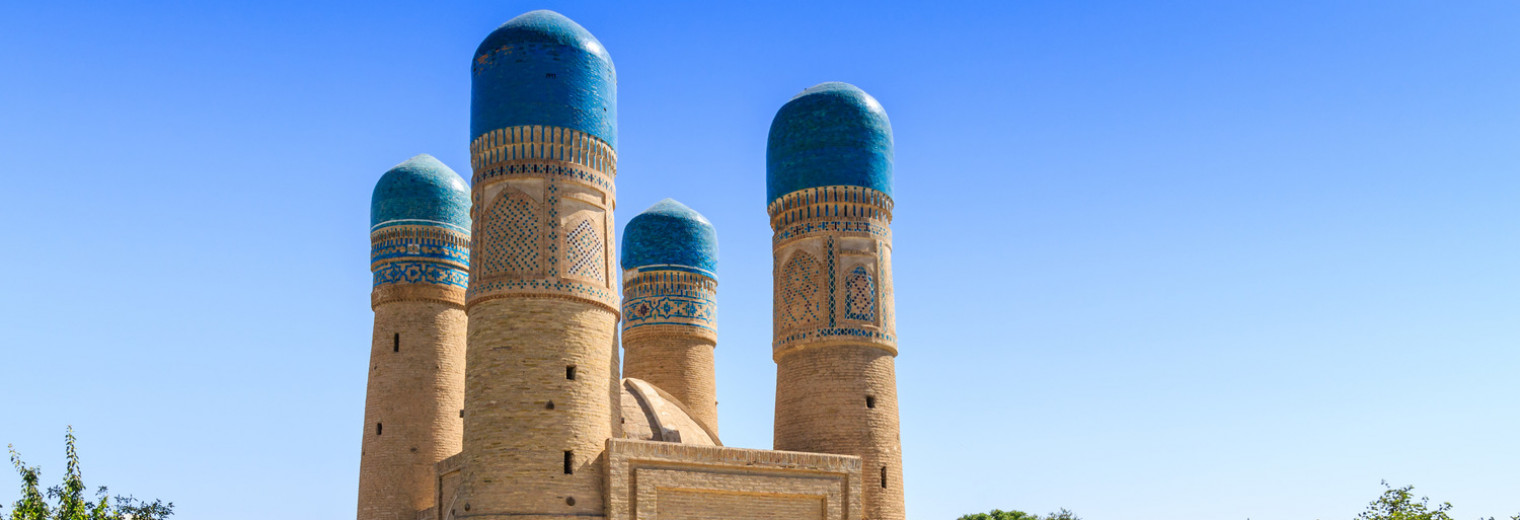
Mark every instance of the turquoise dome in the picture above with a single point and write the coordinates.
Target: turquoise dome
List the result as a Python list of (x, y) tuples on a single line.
[(421, 191), (669, 233), (832, 134), (543, 69)]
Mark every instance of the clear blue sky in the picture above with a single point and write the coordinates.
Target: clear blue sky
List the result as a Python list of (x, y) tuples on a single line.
[(1181, 260)]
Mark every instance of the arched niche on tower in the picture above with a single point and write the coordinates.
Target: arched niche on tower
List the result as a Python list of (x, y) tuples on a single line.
[(801, 286), (509, 239)]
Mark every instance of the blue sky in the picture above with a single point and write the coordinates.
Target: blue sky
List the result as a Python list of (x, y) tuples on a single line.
[(1159, 260)]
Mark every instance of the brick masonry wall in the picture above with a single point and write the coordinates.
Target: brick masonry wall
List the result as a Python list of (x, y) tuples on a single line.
[(821, 407), (411, 408), (680, 365), (449, 473), (680, 504), (514, 443)]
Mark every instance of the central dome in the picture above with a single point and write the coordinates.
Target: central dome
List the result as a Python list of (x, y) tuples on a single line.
[(542, 68), (652, 414)]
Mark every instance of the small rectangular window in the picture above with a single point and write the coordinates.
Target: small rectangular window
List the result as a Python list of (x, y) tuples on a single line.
[(570, 372), (570, 457), (378, 429), (396, 347), (870, 401), (883, 477)]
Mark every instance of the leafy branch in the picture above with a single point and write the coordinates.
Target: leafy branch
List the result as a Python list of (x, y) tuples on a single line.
[(68, 499)]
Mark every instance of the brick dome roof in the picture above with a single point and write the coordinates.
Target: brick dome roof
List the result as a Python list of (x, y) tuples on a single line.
[(652, 414)]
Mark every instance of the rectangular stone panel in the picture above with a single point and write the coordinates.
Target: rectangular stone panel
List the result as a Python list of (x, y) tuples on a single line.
[(681, 504), (668, 481)]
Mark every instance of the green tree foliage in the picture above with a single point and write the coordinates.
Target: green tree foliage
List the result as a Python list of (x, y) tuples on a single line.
[(68, 501), (998, 514), (1394, 504), (1400, 504)]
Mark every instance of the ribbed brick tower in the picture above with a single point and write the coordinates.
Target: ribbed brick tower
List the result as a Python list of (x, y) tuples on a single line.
[(829, 184), (419, 253), (541, 383), (670, 284)]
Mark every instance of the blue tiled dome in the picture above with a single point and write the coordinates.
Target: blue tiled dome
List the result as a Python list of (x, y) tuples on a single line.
[(832, 134), (420, 191), (543, 69), (669, 233)]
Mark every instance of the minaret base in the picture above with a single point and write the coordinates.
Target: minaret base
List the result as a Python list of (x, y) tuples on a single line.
[(541, 400)]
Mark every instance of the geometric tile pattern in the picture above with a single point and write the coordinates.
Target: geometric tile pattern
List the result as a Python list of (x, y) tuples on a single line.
[(860, 296), (832, 268), (404, 254), (597, 293), (834, 298), (888, 321), (543, 151), (551, 232), (522, 249), (662, 310), (799, 300), (511, 236), (658, 296), (421, 272), (584, 254), (801, 229), (414, 241)]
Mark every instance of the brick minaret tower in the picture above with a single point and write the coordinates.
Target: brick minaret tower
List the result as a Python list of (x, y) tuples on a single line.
[(541, 382), (670, 262), (829, 184), (419, 253)]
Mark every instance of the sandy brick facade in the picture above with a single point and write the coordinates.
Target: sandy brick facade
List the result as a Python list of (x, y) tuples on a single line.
[(681, 365), (515, 444), (416, 373), (669, 335), (822, 407), (496, 391), (835, 334), (542, 385)]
